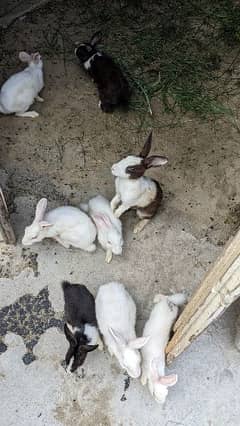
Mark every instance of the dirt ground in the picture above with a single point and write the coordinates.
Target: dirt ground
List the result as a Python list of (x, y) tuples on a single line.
[(66, 155)]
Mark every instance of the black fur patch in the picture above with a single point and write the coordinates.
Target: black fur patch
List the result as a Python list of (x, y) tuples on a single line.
[(84, 52), (112, 85)]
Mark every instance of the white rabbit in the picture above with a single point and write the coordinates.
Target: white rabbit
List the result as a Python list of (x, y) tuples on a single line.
[(109, 228), (158, 327), (116, 317), (68, 225), (21, 89), (133, 190)]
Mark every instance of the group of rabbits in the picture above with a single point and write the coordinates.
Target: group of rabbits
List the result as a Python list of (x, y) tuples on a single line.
[(115, 314), (78, 227), (20, 91)]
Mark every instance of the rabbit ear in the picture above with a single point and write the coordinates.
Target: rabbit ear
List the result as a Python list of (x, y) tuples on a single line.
[(45, 224), (96, 38), (40, 209), (138, 343), (102, 220), (70, 337), (24, 57), (89, 348), (117, 337), (147, 146), (35, 57), (155, 161), (169, 380)]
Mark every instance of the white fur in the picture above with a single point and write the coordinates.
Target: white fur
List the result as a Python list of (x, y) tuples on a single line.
[(67, 225), (87, 64), (158, 327), (109, 228), (131, 192), (116, 316), (72, 329), (119, 169), (91, 332), (21, 89)]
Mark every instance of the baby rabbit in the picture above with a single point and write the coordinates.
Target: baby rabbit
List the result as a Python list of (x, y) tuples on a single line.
[(69, 226), (80, 327), (20, 90), (112, 86), (109, 228), (133, 190), (158, 327), (116, 317)]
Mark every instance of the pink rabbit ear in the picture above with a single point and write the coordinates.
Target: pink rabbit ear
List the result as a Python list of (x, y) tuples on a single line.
[(40, 209), (102, 220), (169, 380), (24, 57)]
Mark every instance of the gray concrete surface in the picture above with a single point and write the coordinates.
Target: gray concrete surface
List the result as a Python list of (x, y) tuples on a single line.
[(36, 390)]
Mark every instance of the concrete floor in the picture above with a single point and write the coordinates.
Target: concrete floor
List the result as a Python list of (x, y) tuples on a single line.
[(66, 155)]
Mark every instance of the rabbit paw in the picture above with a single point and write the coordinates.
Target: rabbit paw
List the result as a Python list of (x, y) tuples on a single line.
[(109, 256), (100, 345), (30, 114), (39, 99), (91, 248), (143, 379), (140, 225)]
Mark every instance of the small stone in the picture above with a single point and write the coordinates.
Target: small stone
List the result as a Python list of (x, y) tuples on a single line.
[(28, 358), (3, 347)]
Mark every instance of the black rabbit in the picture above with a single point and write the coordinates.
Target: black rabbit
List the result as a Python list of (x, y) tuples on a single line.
[(80, 327), (112, 86)]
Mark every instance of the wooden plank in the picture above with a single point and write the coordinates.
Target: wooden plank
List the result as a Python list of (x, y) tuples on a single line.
[(6, 230), (219, 289), (222, 264)]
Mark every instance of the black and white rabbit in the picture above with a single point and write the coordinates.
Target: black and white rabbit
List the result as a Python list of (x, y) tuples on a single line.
[(112, 86), (80, 326)]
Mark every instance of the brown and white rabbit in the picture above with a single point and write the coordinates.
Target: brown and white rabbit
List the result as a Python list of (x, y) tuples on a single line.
[(112, 86), (133, 190)]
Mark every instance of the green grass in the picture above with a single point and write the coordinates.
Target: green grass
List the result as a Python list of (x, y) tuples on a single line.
[(181, 52), (177, 51)]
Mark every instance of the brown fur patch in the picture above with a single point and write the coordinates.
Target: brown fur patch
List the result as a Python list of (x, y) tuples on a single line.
[(137, 171), (151, 209)]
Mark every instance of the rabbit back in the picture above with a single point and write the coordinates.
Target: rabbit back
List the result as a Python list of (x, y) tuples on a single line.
[(115, 308), (79, 305), (72, 224), (112, 85), (19, 91)]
